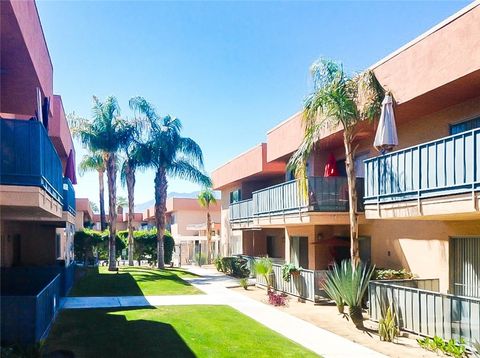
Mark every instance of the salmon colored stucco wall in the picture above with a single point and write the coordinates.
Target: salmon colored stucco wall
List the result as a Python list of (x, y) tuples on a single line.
[(59, 131), (285, 138), (447, 54), (83, 205), (178, 204), (25, 55), (250, 163)]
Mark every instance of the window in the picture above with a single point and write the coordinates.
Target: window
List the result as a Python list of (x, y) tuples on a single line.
[(465, 126), (235, 196), (58, 245), (359, 166)]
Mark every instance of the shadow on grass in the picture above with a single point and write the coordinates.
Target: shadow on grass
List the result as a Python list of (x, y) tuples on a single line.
[(94, 283), (103, 333), (127, 281)]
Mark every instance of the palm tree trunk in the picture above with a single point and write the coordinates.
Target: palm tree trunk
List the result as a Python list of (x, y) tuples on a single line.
[(160, 209), (209, 235), (112, 212), (352, 195), (130, 178), (101, 186)]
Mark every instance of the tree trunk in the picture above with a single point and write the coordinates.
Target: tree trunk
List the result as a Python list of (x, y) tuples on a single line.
[(352, 196), (101, 186), (130, 177), (209, 235), (160, 209), (112, 212)]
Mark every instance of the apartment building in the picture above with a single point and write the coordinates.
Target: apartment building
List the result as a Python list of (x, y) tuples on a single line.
[(84, 216), (122, 220), (37, 170), (186, 221), (419, 205)]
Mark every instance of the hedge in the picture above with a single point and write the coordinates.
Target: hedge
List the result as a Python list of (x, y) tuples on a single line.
[(145, 244)]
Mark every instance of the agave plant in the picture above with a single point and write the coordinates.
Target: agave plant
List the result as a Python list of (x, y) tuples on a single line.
[(351, 282), (332, 291), (264, 267)]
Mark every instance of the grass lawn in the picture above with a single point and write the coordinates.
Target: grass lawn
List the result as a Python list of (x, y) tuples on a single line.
[(168, 331), (133, 281)]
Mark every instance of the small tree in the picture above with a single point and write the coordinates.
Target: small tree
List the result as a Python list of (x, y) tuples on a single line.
[(95, 162), (205, 199), (338, 101)]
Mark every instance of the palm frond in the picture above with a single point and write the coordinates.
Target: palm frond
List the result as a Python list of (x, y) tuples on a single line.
[(91, 162), (206, 197), (191, 149), (182, 169)]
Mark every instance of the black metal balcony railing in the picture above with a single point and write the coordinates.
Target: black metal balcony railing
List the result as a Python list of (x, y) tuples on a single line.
[(68, 196), (324, 195), (28, 157), (445, 166)]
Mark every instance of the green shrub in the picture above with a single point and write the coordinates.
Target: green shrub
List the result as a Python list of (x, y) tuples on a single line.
[(244, 283), (390, 274), (452, 348), (288, 270), (264, 267), (234, 266), (218, 264), (200, 259), (145, 244), (387, 326)]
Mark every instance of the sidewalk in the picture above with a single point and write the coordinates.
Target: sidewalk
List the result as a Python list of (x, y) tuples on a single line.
[(214, 284)]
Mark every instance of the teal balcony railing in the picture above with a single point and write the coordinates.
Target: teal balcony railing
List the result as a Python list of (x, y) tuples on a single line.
[(445, 166), (28, 157), (324, 195), (68, 196)]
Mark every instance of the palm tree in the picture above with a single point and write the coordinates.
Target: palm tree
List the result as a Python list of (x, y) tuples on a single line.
[(121, 201), (95, 162), (168, 153), (205, 198), (132, 161), (338, 101), (107, 133), (94, 206)]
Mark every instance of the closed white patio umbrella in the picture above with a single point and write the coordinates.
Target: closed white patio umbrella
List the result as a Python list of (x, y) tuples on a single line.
[(386, 136)]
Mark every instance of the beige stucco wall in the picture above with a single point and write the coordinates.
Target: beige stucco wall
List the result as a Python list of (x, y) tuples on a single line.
[(418, 246), (183, 218)]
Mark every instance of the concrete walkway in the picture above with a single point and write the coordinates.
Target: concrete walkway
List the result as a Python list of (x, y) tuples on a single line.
[(214, 284)]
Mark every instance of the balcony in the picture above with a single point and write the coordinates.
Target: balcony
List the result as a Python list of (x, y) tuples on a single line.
[(441, 177), (30, 171), (325, 195), (68, 196)]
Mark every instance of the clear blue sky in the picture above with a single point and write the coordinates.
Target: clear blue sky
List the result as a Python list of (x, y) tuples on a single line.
[(229, 70)]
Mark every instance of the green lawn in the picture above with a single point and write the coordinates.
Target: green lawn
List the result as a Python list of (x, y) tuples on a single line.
[(168, 331), (133, 281)]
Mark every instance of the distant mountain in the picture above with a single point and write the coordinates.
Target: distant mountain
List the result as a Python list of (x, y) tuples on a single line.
[(143, 206)]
